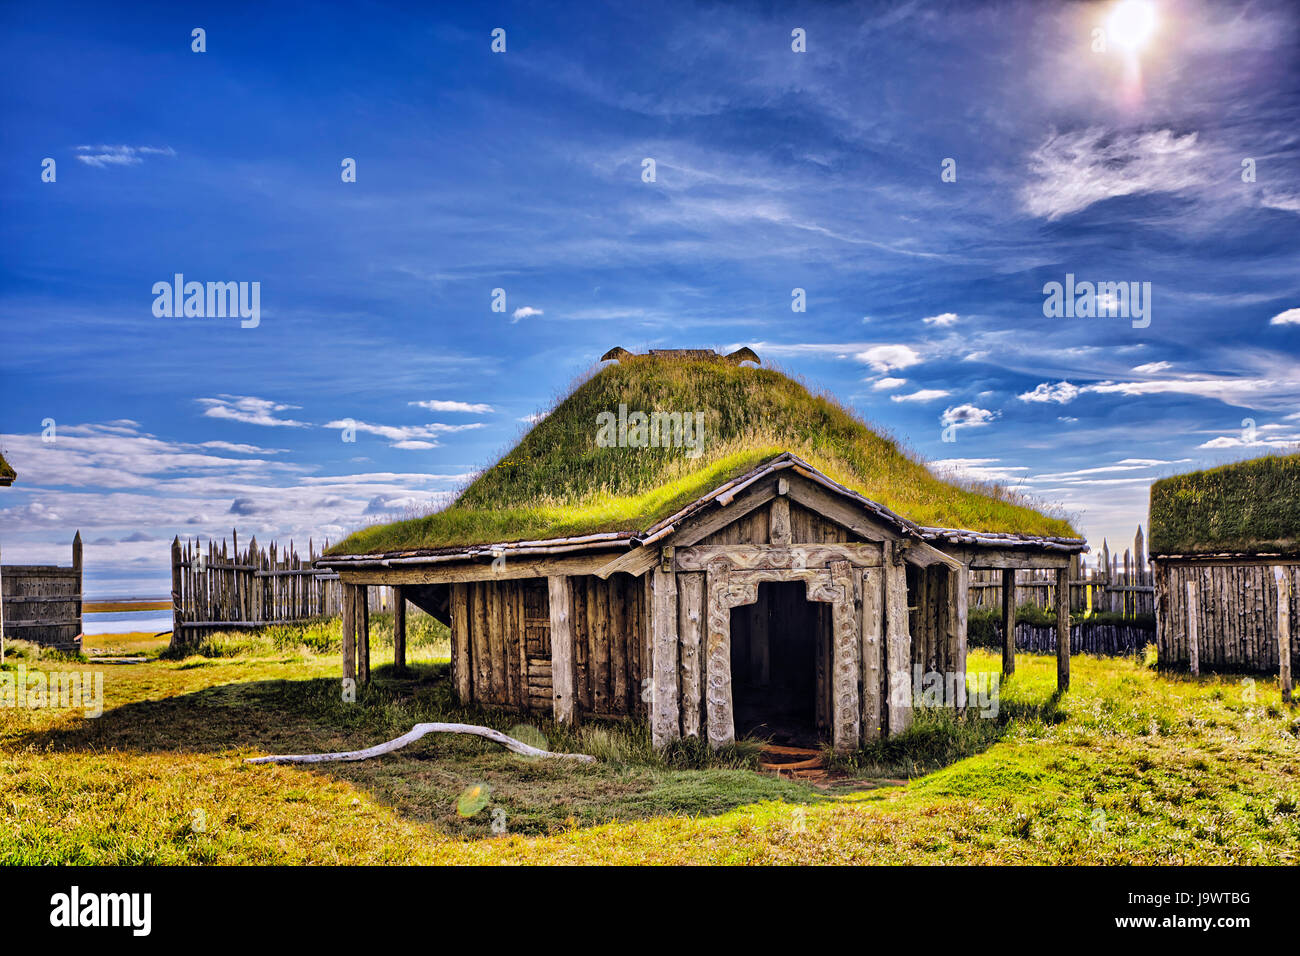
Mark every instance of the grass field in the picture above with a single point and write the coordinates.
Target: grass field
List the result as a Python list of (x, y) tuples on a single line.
[(1131, 767)]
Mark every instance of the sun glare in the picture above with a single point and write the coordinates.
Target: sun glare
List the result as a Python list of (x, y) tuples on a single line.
[(1131, 23)]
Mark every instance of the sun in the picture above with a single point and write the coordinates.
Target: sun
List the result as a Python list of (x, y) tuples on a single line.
[(1131, 23)]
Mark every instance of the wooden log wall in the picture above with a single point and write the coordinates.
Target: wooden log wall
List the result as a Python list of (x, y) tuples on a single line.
[(42, 603), (220, 585), (1235, 613), (1100, 639)]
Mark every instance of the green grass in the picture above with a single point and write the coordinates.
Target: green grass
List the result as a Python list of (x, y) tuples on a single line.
[(1251, 506), (558, 482), (1130, 767)]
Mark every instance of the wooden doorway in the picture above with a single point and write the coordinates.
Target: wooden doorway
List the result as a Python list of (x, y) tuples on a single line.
[(781, 666)]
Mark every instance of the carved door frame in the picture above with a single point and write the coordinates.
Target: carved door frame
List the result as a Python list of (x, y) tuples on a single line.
[(727, 587)]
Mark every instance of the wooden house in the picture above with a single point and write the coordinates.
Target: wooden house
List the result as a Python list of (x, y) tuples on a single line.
[(7, 474), (746, 590), (1225, 545)]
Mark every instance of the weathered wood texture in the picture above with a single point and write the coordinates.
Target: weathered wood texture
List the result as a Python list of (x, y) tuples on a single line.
[(898, 648), (42, 603), (562, 674), (1235, 619), (1062, 630), (1008, 622), (690, 631), (665, 718)]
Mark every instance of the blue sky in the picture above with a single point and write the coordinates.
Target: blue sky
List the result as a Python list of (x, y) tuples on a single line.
[(522, 170)]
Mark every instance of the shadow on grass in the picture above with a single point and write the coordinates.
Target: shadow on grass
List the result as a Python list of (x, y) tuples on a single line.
[(426, 780)]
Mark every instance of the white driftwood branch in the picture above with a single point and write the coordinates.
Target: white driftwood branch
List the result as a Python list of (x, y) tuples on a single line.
[(414, 734)]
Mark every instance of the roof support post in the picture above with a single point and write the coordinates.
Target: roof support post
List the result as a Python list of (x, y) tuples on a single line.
[(399, 629), (1008, 622), (1062, 630), (872, 615), (349, 636), (958, 597), (898, 643), (361, 598), (461, 666), (562, 676)]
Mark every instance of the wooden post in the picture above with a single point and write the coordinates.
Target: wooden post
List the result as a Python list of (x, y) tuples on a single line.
[(76, 566), (1283, 633), (462, 665), (1193, 638), (399, 629), (898, 645), (562, 678), (1062, 630), (873, 619), (361, 598), (1008, 621), (349, 633), (719, 719), (176, 591), (690, 616), (665, 718), (846, 660), (958, 598)]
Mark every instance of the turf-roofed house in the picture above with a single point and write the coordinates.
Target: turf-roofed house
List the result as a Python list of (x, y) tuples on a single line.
[(7, 474), (1225, 543), (703, 544)]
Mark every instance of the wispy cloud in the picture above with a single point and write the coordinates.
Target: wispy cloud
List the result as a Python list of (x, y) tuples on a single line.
[(525, 312), (249, 410), (103, 156), (436, 405)]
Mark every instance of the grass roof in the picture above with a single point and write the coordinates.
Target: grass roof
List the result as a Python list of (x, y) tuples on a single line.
[(1250, 507), (7, 473), (558, 482)]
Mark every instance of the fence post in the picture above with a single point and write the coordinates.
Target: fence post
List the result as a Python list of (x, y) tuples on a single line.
[(1062, 629), (1283, 633), (1008, 621), (399, 629), (176, 591)]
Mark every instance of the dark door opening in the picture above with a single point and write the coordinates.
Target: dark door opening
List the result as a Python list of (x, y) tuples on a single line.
[(780, 665)]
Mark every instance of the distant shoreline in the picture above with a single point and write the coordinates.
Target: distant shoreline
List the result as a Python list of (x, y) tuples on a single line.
[(105, 607)]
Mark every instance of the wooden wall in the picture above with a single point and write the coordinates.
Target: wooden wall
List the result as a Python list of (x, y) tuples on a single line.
[(42, 603), (504, 643), (1236, 619), (806, 527)]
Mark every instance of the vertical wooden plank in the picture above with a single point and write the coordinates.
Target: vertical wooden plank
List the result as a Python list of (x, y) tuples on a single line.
[(619, 665), (1062, 630), (399, 629), (462, 665), (665, 718), (1283, 632), (362, 617), (846, 659), (1008, 622), (1193, 628), (873, 618), (719, 718), (779, 523), (349, 635), (600, 635), (690, 612), (177, 598), (562, 677), (898, 651), (958, 597)]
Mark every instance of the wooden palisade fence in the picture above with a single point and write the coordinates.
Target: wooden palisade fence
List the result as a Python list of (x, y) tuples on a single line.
[(1124, 586), (219, 586)]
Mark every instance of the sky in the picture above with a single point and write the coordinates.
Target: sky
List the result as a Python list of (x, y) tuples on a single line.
[(922, 172)]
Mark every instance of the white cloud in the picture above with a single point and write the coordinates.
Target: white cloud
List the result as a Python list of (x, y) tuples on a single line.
[(921, 395), (976, 469), (435, 405), (943, 319), (403, 436), (888, 384), (966, 416), (1062, 393), (1289, 317), (1151, 368), (534, 418), (102, 156), (887, 358), (1075, 170), (525, 312), (249, 410)]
